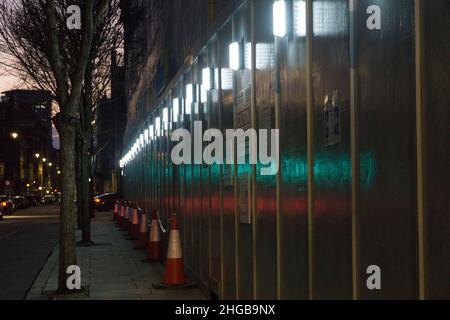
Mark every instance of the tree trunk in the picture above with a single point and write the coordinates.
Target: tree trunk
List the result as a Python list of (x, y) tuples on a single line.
[(78, 146), (67, 242), (86, 194)]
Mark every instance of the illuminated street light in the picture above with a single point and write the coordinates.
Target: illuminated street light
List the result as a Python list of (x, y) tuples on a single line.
[(50, 164), (44, 160), (37, 155), (14, 135)]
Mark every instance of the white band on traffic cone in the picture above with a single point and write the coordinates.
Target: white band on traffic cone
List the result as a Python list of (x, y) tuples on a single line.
[(135, 217), (144, 225), (154, 233), (175, 251)]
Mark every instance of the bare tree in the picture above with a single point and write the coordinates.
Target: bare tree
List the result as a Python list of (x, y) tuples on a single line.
[(107, 38), (48, 56)]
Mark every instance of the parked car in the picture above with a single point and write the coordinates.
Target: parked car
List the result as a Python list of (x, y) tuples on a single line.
[(105, 201), (7, 205), (33, 200), (49, 199), (21, 202)]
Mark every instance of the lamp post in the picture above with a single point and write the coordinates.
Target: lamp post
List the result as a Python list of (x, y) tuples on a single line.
[(15, 136)]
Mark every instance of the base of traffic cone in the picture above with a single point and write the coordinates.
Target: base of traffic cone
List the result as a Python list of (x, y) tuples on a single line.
[(154, 253), (125, 223), (174, 275), (142, 242), (134, 231)]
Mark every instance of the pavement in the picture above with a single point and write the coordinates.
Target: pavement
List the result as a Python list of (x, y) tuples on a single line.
[(110, 270), (27, 238)]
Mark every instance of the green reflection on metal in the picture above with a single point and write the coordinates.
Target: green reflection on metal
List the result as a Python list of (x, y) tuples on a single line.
[(329, 171)]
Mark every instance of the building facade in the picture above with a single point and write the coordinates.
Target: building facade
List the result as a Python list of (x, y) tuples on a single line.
[(28, 161), (111, 118)]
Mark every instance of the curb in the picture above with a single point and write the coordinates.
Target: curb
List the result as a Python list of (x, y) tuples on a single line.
[(36, 291)]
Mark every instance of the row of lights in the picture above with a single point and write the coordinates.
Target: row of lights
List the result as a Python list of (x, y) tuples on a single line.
[(210, 76), (15, 136), (37, 156)]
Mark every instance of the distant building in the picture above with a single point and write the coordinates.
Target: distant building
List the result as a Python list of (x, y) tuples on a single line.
[(28, 162), (111, 120)]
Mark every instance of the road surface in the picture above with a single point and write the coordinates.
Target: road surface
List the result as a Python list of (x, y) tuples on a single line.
[(26, 240)]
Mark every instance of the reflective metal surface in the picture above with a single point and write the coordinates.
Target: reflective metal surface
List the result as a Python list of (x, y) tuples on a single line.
[(248, 236), (387, 207), (437, 148)]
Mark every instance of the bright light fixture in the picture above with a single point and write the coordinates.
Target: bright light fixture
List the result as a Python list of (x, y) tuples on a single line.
[(152, 132), (189, 98), (206, 79), (300, 18), (235, 56), (158, 126), (227, 79), (166, 119), (280, 18), (176, 109)]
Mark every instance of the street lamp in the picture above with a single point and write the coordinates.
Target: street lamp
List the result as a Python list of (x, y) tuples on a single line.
[(44, 159), (37, 155), (50, 164), (15, 136)]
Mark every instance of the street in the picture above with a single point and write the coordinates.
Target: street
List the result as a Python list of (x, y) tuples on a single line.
[(26, 240)]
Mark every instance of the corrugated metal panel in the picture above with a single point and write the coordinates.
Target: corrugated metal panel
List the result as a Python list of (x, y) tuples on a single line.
[(248, 236), (294, 249), (228, 230), (245, 264), (332, 163), (437, 147), (387, 207), (265, 210)]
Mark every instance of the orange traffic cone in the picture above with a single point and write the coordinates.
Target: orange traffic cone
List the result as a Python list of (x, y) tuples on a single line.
[(126, 218), (154, 252), (121, 215), (174, 277), (134, 225), (143, 232), (116, 211)]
